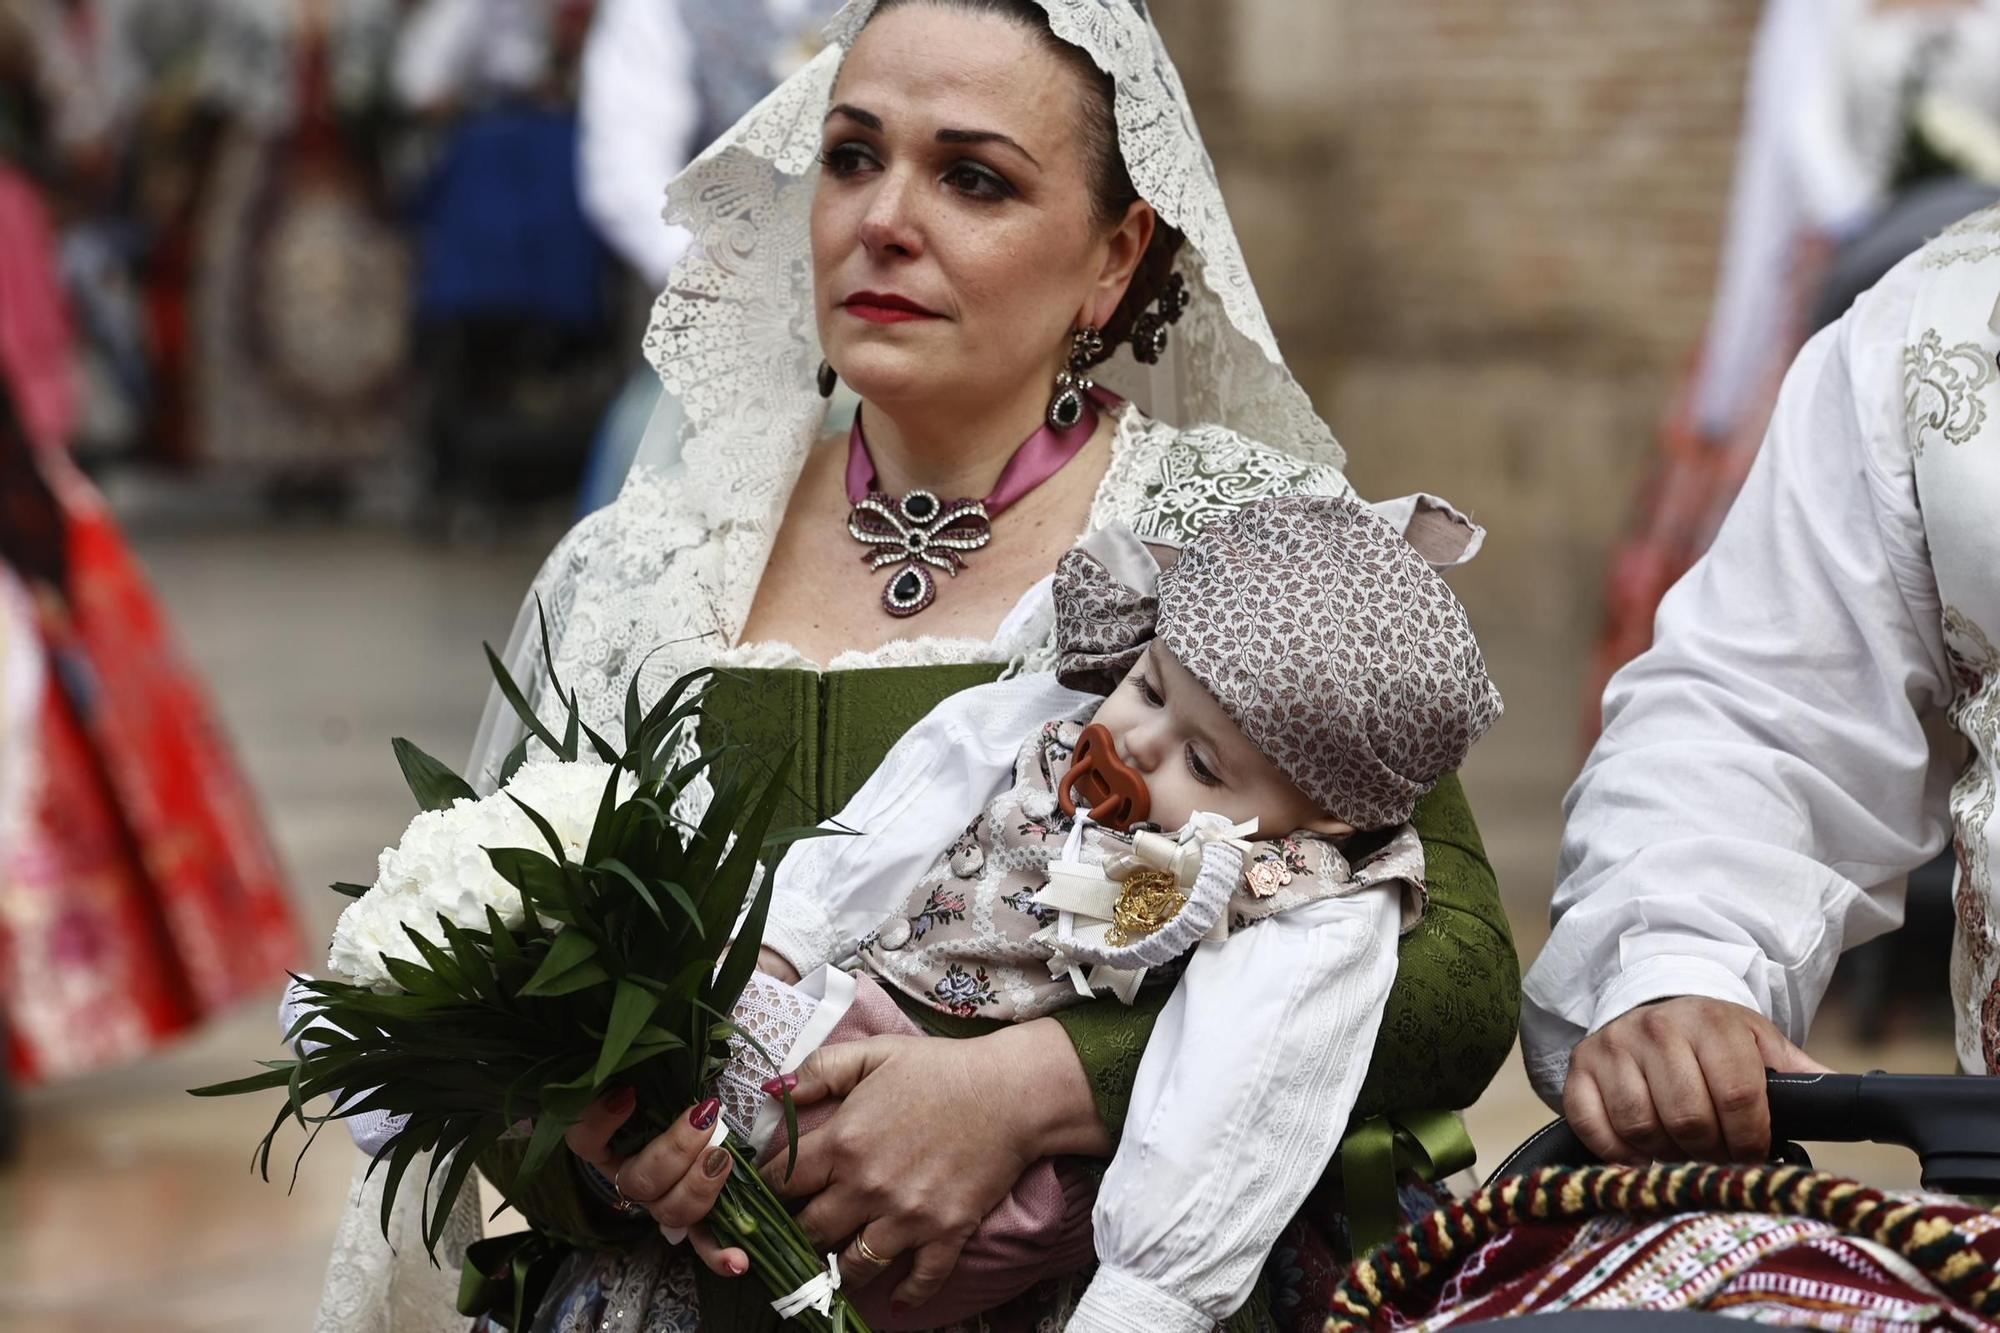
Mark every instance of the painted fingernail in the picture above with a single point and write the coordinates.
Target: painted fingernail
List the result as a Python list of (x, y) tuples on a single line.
[(674, 1235), (714, 1162), (897, 1307), (621, 1101), (738, 1267), (780, 1085), (703, 1116)]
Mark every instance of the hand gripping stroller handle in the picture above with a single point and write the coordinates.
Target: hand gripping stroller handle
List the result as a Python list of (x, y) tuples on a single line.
[(1951, 1121)]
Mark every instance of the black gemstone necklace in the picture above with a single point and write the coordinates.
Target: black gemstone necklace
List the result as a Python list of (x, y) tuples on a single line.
[(920, 532)]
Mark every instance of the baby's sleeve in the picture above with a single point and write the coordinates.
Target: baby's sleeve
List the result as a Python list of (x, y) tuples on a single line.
[(1241, 1099)]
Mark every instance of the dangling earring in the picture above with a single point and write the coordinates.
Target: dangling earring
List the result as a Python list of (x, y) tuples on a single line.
[(1086, 349), (828, 377)]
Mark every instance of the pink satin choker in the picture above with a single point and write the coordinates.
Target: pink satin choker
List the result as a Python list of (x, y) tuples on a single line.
[(920, 532)]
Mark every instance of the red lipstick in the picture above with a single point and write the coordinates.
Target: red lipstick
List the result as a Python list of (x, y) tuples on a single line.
[(885, 308)]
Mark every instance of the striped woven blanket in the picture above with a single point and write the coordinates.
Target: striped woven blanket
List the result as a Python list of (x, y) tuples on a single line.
[(1778, 1244)]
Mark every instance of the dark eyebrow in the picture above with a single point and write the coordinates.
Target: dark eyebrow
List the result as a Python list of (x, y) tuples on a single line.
[(866, 119), (984, 136), (870, 121)]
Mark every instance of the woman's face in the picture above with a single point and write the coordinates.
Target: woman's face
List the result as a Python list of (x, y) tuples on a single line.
[(954, 240)]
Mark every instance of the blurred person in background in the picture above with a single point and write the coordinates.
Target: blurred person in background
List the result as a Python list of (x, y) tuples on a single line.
[(1868, 126), (91, 75), (139, 895), (514, 290), (301, 280), (649, 105)]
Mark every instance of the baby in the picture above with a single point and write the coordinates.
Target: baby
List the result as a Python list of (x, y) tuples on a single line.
[(1231, 744)]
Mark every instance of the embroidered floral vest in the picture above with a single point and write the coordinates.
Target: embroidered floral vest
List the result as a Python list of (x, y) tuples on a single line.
[(1950, 402), (964, 942)]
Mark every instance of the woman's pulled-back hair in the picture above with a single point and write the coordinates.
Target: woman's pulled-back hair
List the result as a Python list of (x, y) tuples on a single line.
[(1112, 191)]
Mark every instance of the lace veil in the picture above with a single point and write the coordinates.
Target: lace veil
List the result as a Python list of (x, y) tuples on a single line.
[(734, 344), (662, 580)]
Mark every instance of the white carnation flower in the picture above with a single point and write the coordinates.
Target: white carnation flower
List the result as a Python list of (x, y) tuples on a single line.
[(440, 868)]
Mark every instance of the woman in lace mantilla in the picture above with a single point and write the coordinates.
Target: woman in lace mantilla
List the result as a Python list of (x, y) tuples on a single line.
[(999, 174)]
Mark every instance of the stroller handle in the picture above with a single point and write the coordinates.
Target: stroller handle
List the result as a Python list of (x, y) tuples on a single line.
[(1951, 1121)]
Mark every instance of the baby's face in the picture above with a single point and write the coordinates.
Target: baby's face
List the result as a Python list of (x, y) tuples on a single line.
[(1170, 728)]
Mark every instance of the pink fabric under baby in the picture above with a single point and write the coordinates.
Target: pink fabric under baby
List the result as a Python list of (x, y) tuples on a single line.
[(1040, 1230)]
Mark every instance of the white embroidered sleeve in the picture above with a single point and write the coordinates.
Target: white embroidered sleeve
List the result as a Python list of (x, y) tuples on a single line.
[(1242, 1096), (1764, 779), (831, 892)]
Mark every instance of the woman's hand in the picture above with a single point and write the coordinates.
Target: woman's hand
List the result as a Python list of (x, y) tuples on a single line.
[(774, 964), (1682, 1079), (930, 1135), (676, 1178)]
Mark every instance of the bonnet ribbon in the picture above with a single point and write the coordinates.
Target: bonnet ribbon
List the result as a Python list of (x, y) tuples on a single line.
[(1107, 603)]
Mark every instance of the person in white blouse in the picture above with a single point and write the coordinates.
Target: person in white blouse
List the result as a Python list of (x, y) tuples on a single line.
[(450, 51), (639, 110), (1827, 110), (1771, 768)]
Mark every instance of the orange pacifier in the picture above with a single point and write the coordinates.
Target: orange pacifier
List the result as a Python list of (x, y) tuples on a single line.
[(1099, 781)]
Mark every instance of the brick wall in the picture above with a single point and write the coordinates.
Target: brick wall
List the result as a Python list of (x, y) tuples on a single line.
[(1487, 232)]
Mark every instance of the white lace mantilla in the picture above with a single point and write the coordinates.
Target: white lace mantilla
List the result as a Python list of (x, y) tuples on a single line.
[(736, 345)]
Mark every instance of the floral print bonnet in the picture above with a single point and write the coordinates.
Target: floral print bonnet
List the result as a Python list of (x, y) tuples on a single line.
[(1321, 627)]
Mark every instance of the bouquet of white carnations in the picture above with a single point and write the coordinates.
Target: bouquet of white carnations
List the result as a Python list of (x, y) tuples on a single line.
[(522, 955)]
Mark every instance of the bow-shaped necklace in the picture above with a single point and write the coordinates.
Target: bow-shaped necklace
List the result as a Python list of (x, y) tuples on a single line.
[(920, 532)]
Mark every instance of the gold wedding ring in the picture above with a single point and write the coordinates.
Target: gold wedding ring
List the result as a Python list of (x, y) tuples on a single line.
[(629, 1207), (861, 1248)]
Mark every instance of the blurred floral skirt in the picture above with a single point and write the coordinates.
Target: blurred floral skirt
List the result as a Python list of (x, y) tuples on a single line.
[(138, 892)]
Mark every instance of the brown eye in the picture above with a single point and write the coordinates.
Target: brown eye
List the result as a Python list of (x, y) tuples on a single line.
[(847, 159), (1201, 771), (978, 182), (1148, 693)]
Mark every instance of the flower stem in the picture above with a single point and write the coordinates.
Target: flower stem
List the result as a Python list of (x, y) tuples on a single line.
[(752, 1218)]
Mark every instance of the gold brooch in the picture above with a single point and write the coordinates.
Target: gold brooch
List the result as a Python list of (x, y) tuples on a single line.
[(1148, 900)]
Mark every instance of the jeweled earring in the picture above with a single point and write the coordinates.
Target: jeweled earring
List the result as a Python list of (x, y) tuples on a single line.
[(828, 377), (1149, 331), (1086, 349)]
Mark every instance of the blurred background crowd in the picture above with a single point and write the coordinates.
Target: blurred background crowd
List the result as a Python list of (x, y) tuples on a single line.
[(319, 319)]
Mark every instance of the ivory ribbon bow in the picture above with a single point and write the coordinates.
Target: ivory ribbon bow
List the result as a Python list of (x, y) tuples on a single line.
[(817, 1294)]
